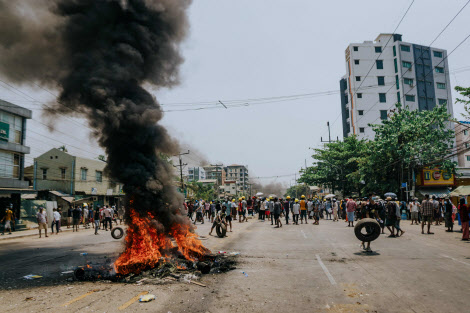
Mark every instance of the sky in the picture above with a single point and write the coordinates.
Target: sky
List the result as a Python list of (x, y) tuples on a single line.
[(250, 49)]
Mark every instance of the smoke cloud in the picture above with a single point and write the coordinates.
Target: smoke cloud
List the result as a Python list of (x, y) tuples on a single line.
[(98, 54), (278, 189)]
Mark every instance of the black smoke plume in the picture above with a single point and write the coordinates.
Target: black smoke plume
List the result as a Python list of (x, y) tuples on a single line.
[(98, 54)]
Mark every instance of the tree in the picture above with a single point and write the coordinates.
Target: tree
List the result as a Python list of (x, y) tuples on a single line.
[(202, 191), (63, 149), (102, 158), (297, 190), (465, 92), (336, 165)]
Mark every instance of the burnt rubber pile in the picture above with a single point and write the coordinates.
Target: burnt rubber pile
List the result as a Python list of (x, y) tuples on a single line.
[(167, 269)]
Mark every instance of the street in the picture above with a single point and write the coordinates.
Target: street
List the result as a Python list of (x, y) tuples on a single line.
[(297, 268)]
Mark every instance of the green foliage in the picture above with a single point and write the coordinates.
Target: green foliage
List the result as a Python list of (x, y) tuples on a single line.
[(202, 191), (297, 190), (465, 92), (403, 144)]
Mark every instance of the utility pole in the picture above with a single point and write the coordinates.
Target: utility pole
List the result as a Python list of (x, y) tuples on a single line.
[(329, 135), (217, 177), (181, 165)]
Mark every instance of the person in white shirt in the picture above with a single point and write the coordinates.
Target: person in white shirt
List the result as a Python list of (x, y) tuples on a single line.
[(56, 221), (414, 209), (296, 211), (42, 221), (335, 211), (262, 210)]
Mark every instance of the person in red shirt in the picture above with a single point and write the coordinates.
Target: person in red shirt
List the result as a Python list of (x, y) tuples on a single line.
[(350, 209), (464, 218)]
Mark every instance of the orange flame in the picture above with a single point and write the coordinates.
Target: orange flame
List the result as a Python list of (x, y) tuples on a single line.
[(145, 247)]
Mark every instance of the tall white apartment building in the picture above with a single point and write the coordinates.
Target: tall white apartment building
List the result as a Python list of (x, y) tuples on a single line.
[(380, 75)]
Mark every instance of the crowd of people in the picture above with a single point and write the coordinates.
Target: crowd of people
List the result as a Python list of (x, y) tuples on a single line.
[(389, 212), (99, 217)]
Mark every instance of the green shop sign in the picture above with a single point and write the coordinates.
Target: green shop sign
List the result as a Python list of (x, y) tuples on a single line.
[(4, 131)]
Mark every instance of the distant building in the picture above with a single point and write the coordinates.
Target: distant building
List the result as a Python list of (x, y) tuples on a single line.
[(12, 155), (57, 170), (380, 75), (239, 173), (229, 188), (462, 138), (215, 172), (196, 174)]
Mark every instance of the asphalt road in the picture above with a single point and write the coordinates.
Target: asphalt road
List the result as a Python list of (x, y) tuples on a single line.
[(292, 269)]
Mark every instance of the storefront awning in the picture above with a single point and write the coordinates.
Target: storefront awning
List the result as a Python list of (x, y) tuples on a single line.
[(29, 196), (461, 191), (438, 192)]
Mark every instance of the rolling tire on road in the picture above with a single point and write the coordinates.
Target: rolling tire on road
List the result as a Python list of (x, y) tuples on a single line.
[(372, 229), (117, 232), (221, 230)]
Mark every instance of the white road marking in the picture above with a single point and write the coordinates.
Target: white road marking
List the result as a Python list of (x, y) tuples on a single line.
[(327, 272), (302, 231), (454, 259)]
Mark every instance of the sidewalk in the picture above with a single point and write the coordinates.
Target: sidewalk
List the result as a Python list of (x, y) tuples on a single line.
[(30, 233)]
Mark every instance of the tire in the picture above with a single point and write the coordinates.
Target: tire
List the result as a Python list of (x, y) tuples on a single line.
[(221, 230), (372, 230), (117, 232)]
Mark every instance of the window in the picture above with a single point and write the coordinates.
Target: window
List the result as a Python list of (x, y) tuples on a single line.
[(99, 176), (379, 64), (356, 48), (346, 99), (437, 54), (382, 97), (361, 129), (359, 95), (383, 114), (408, 81), (62, 173), (358, 78), (398, 97), (83, 173), (396, 65), (439, 69), (17, 137), (405, 48), (360, 112), (441, 86), (356, 62), (16, 166), (397, 82), (467, 145), (381, 80), (394, 51), (465, 132), (442, 101), (44, 173), (410, 98), (378, 49), (406, 64), (468, 157)]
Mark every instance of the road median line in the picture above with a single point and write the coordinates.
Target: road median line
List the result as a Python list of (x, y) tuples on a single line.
[(80, 297), (327, 272)]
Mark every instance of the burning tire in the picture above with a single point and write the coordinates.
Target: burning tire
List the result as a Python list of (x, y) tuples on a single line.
[(221, 230), (367, 230), (117, 232)]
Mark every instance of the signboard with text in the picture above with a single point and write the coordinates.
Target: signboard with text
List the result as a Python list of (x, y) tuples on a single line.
[(436, 177)]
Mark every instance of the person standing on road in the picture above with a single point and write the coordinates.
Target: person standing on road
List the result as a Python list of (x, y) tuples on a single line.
[(303, 210), (335, 211), (271, 210), (449, 223), (96, 219), (391, 220), (69, 216), (328, 210), (55, 221), (310, 208), (108, 218), (437, 213), (244, 209), (42, 221), (296, 211), (262, 209), (350, 209), (234, 210), (199, 208), (316, 213), (228, 214), (277, 212), (76, 215), (414, 209), (427, 212), (286, 206), (464, 219), (7, 220)]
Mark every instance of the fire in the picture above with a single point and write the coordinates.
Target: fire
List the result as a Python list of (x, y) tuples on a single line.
[(145, 247)]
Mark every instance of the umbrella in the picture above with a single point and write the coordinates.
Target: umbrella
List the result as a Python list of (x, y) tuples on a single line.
[(259, 194), (330, 196), (390, 194)]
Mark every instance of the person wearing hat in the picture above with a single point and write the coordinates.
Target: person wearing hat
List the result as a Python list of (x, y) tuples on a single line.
[(303, 210), (296, 211), (271, 209), (7, 220), (286, 206), (391, 219)]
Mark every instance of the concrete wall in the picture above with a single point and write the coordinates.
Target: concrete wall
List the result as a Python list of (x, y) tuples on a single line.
[(54, 160)]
